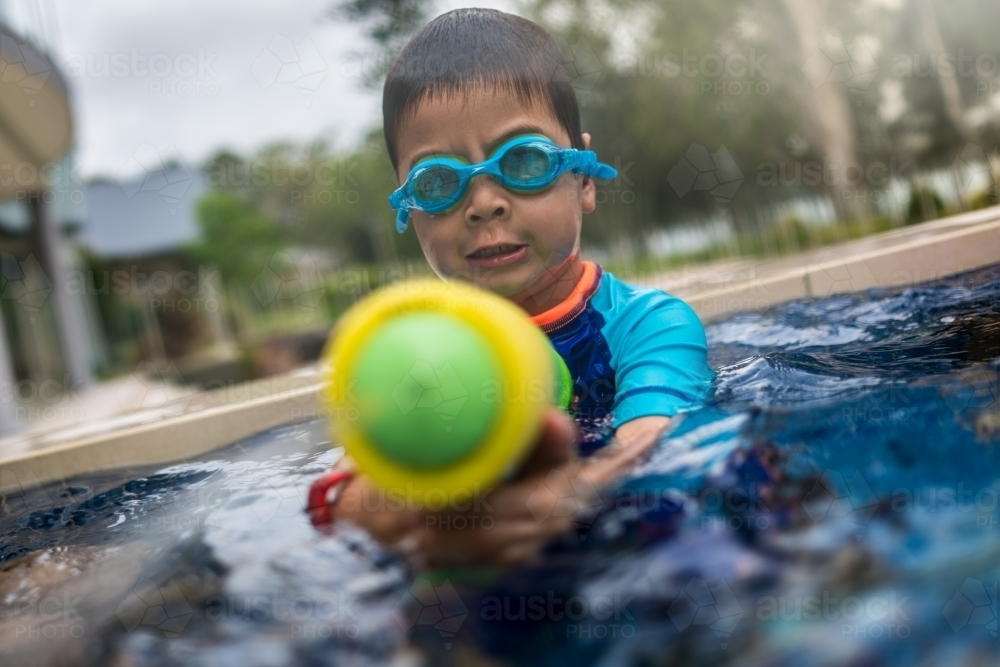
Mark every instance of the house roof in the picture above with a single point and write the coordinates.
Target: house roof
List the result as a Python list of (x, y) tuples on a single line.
[(149, 214)]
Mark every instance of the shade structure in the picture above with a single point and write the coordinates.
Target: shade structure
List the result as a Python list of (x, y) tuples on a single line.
[(36, 119)]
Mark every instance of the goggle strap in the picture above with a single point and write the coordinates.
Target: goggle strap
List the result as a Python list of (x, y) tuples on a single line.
[(585, 162), (402, 217), (604, 172)]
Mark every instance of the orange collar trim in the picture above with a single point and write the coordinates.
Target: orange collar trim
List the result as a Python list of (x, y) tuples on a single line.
[(585, 287)]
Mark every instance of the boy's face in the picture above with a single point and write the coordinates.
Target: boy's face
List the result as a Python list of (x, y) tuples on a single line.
[(535, 233)]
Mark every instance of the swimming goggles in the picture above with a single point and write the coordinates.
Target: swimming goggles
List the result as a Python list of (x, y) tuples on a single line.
[(526, 164)]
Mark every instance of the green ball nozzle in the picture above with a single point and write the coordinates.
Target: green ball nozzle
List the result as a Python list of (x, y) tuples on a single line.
[(421, 386)]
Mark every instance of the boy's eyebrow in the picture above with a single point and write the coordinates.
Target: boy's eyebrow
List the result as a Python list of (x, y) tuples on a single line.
[(527, 128)]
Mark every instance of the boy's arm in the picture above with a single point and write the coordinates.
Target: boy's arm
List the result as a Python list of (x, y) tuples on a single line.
[(641, 429), (660, 355)]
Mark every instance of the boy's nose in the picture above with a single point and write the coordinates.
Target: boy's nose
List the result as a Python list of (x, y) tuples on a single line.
[(487, 200)]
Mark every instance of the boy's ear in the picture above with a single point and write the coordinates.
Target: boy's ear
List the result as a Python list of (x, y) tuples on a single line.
[(589, 191)]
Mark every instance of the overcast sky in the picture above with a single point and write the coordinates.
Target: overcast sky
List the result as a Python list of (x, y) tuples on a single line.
[(187, 77)]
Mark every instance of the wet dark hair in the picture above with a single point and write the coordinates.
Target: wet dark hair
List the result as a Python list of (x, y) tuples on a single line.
[(484, 48)]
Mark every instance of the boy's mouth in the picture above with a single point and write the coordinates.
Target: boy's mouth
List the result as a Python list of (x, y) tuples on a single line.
[(499, 254)]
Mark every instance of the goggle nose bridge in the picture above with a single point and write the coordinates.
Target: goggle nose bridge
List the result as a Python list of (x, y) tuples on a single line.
[(478, 170)]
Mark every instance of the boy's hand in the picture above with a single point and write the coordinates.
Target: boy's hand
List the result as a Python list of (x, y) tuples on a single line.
[(516, 519)]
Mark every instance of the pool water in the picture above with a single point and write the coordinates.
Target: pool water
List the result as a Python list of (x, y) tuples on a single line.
[(835, 504)]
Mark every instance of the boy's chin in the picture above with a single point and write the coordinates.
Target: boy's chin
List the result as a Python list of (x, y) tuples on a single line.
[(505, 282)]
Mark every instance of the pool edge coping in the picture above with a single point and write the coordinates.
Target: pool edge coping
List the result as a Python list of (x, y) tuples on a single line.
[(848, 273), (162, 442)]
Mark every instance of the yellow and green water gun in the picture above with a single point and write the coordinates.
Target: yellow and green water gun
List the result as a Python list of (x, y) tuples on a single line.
[(437, 390)]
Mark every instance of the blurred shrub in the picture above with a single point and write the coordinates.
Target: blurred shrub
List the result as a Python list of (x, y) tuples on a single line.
[(925, 204)]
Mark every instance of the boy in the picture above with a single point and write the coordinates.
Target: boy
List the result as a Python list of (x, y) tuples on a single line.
[(477, 84)]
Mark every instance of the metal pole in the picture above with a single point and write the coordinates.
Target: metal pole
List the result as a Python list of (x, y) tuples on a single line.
[(71, 328), (8, 384)]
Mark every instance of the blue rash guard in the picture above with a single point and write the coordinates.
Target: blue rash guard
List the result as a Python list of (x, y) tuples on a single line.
[(632, 352)]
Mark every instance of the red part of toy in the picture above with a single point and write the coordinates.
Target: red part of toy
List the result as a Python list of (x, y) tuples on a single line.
[(318, 507)]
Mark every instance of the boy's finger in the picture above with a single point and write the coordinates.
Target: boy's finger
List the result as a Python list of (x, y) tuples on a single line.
[(555, 445), (361, 503), (481, 545)]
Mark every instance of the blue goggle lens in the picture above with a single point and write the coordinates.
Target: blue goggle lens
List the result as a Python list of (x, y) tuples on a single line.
[(524, 164), (436, 184)]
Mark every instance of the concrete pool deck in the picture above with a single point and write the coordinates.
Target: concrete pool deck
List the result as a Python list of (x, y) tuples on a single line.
[(134, 422)]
